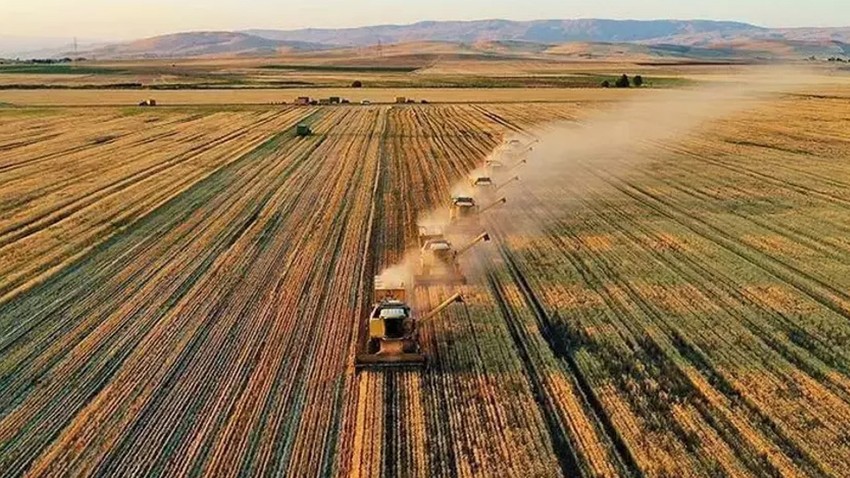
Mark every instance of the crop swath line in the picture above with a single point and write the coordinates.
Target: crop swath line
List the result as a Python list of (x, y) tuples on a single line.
[(203, 187), (815, 288), (56, 260), (801, 190), (500, 120), (783, 439), (561, 441), (811, 242), (692, 353), (316, 219), (215, 179), (561, 349), (746, 171), (124, 448), (63, 211), (37, 160), (211, 179), (72, 180), (725, 288), (778, 162)]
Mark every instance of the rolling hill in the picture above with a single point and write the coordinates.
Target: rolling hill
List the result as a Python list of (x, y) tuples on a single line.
[(696, 39), (200, 44), (540, 31)]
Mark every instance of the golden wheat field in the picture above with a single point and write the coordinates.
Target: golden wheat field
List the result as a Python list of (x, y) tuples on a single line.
[(182, 290)]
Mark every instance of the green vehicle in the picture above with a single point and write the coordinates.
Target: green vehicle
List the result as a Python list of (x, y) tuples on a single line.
[(303, 130)]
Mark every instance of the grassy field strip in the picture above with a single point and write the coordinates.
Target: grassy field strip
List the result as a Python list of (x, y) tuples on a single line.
[(687, 319), (175, 287), (261, 171), (792, 278), (40, 246), (697, 421), (99, 128), (557, 350), (581, 444), (818, 374), (742, 309), (248, 96), (815, 354), (779, 237), (80, 181), (637, 347)]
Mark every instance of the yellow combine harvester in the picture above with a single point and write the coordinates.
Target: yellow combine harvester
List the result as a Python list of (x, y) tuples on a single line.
[(439, 261), (393, 339), (510, 152), (515, 149), (483, 182), (494, 164), (464, 213)]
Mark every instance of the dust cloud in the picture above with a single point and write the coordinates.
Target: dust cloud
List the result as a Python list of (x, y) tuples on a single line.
[(565, 160), (400, 275), (572, 158)]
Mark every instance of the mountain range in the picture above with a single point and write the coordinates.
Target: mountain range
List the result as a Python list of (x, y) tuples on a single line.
[(687, 38)]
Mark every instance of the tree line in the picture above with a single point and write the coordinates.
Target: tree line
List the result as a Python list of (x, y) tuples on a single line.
[(625, 82)]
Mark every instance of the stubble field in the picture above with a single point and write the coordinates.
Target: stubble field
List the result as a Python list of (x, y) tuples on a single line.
[(181, 291)]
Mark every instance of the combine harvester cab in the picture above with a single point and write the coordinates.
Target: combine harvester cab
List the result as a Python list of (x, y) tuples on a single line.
[(484, 186), (439, 262), (393, 339), (484, 183)]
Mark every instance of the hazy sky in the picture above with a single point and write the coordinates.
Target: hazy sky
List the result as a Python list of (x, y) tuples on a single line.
[(125, 19)]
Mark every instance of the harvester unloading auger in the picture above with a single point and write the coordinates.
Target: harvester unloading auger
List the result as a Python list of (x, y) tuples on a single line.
[(393, 335), (515, 166), (505, 184), (439, 261)]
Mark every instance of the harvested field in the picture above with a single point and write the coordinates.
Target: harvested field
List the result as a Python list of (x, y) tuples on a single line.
[(96, 97), (181, 291)]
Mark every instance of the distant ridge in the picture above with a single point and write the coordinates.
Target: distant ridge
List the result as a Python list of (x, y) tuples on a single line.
[(538, 31), (697, 39), (200, 44)]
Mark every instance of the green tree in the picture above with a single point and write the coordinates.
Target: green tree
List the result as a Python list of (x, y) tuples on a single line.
[(637, 81), (623, 82)]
